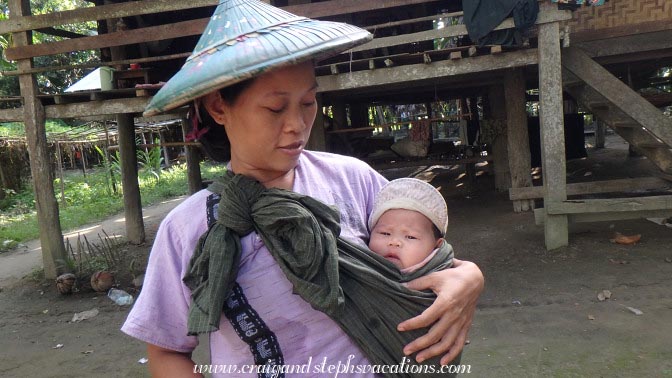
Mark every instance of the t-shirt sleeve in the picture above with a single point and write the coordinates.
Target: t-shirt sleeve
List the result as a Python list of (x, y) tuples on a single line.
[(375, 182), (355, 200), (160, 313)]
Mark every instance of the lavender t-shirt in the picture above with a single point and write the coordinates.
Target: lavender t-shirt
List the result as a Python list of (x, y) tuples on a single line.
[(305, 335)]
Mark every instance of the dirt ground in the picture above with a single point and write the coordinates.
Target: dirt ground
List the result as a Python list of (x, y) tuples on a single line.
[(539, 315)]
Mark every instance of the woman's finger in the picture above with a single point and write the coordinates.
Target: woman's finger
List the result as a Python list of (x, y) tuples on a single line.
[(443, 344), (457, 346), (443, 304)]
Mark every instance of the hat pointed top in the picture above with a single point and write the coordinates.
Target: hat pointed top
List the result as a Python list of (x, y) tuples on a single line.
[(245, 38), (235, 18)]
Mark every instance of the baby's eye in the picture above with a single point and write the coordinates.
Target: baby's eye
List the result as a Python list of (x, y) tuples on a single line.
[(410, 237), (384, 233), (309, 104)]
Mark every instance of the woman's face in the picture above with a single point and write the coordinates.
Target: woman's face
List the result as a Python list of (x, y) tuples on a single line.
[(270, 121)]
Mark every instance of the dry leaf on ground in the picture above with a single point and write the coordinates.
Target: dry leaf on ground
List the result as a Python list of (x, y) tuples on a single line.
[(625, 239)]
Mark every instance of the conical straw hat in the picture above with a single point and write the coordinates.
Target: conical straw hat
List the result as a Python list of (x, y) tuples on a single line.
[(245, 38)]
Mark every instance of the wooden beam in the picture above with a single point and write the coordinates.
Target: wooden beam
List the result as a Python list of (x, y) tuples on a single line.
[(613, 216), (135, 229), (496, 111), (51, 236), (417, 72), (60, 33), (600, 131), (609, 186), (338, 7), (606, 216), (119, 38), (610, 205), (97, 64), (152, 145), (518, 138), (618, 93), (134, 105), (621, 31), (413, 20), (632, 48), (451, 31), (318, 139), (196, 27), (556, 232), (136, 8), (11, 115), (17, 23), (193, 159)]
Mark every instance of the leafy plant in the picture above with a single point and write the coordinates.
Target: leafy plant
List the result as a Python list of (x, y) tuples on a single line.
[(85, 257), (150, 161), (110, 169)]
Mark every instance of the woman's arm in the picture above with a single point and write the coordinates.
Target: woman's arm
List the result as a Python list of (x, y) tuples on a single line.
[(166, 363), (450, 316)]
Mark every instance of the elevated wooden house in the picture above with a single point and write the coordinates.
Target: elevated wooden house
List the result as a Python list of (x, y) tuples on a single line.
[(403, 64)]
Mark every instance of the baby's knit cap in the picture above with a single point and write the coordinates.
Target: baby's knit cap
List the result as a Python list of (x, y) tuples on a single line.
[(411, 194)]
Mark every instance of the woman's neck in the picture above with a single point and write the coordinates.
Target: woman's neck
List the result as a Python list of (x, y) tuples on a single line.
[(269, 179)]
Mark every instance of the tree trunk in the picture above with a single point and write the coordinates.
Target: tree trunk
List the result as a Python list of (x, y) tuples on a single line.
[(51, 237)]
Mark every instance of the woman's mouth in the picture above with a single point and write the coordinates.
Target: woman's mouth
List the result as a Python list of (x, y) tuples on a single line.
[(293, 148)]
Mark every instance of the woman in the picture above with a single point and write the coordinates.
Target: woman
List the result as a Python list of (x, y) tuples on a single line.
[(266, 106)]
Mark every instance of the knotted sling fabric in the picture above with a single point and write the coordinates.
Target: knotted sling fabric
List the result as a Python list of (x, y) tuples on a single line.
[(360, 290)]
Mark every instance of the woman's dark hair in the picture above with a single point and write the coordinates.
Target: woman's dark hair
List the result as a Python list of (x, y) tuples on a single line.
[(215, 142)]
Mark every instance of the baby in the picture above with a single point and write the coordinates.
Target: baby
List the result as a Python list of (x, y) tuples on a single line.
[(408, 223)]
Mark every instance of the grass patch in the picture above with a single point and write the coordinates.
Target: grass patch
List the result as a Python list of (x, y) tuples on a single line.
[(18, 129), (89, 199)]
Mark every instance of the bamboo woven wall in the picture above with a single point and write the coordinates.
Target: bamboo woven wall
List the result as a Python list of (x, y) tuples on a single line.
[(617, 13)]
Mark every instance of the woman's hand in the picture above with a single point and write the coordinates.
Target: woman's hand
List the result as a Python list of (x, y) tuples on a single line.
[(449, 317)]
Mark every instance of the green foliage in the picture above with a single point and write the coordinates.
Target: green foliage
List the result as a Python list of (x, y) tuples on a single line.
[(17, 129), (86, 258), (55, 81), (87, 200), (109, 167), (150, 162)]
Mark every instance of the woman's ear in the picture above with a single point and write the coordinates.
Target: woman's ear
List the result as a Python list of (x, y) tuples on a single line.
[(214, 104)]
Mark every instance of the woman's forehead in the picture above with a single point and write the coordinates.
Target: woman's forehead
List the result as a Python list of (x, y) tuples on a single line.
[(287, 79)]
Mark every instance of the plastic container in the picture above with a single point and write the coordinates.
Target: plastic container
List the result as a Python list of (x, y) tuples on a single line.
[(120, 297), (106, 78)]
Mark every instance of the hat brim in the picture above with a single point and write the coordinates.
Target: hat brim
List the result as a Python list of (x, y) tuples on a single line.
[(253, 54)]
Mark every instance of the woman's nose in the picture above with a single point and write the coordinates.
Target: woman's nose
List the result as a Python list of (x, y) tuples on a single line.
[(294, 122)]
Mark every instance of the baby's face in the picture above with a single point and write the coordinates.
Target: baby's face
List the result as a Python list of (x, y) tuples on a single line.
[(404, 237)]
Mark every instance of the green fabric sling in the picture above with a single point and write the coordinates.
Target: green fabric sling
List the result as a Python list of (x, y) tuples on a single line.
[(360, 290)]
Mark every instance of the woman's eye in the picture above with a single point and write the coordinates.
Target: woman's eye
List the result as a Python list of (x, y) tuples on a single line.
[(276, 110), (309, 104)]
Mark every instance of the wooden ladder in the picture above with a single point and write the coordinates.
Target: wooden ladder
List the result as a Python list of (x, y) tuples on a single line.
[(631, 116)]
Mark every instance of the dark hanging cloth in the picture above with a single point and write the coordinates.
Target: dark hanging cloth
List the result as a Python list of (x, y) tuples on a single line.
[(576, 4), (360, 290), (482, 16)]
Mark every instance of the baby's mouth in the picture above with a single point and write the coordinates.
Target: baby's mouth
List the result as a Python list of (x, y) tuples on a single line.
[(393, 259)]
